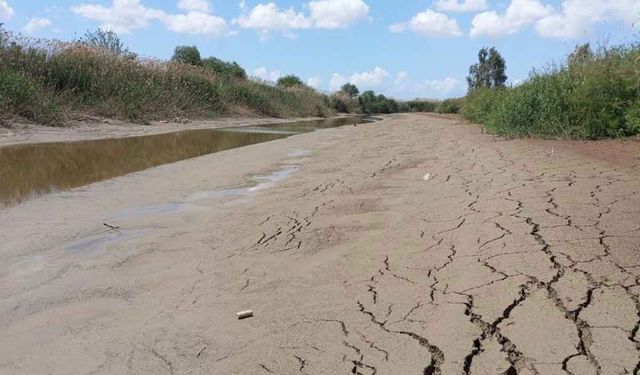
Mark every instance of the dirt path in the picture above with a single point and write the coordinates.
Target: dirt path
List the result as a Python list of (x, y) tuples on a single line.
[(515, 257)]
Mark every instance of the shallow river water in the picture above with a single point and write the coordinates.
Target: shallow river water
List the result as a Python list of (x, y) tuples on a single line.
[(34, 169)]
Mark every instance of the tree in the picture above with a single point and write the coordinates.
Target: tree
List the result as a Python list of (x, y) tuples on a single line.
[(230, 69), (187, 55), (106, 40), (350, 89), (290, 81), (489, 72)]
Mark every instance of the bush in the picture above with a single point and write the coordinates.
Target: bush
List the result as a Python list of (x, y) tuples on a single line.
[(230, 69), (19, 95), (449, 106), (595, 95), (189, 55), (43, 81), (421, 106), (290, 81)]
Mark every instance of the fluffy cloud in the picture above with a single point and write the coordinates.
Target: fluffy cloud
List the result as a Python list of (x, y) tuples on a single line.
[(196, 23), (579, 16), (324, 14), (518, 15), (124, 16), (194, 5), (36, 24), (461, 5), (335, 14), (121, 16), (266, 75), (6, 11), (574, 19), (431, 24), (365, 80), (403, 87), (269, 17)]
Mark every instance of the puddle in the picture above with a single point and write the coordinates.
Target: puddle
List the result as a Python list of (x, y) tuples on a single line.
[(30, 170)]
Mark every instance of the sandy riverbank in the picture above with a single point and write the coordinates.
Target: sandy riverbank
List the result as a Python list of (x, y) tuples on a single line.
[(517, 255)]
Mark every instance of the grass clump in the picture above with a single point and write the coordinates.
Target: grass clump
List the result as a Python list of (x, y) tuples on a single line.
[(48, 82), (594, 95)]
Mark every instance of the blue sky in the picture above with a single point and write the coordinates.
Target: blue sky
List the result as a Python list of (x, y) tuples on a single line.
[(403, 48)]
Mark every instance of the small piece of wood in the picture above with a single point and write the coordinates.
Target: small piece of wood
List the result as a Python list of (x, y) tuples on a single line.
[(244, 314)]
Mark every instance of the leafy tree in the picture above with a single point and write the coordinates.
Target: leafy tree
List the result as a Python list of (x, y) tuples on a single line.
[(231, 69), (489, 72), (350, 89), (290, 81), (187, 55), (106, 40), (372, 103)]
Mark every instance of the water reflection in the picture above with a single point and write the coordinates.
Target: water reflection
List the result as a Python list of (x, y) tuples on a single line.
[(27, 170)]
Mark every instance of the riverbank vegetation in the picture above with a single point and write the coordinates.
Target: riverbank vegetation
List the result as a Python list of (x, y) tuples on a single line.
[(593, 94), (49, 82)]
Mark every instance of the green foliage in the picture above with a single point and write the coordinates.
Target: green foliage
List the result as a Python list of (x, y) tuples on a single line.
[(371, 103), (20, 95), (290, 81), (230, 69), (595, 95), (421, 106), (449, 105), (107, 40), (490, 71), (344, 103), (47, 81), (189, 55), (350, 89)]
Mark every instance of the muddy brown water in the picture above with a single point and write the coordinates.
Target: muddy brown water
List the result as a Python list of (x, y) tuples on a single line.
[(31, 170)]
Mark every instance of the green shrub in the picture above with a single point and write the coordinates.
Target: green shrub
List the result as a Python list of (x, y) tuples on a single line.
[(421, 106), (594, 96), (290, 81), (46, 81), (230, 69), (449, 105)]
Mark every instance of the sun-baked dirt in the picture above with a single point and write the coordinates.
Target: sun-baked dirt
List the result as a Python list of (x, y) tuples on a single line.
[(514, 257)]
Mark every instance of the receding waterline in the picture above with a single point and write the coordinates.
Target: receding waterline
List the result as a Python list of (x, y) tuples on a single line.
[(30, 170)]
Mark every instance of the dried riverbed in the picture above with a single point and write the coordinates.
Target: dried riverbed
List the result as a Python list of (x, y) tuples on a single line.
[(516, 257)]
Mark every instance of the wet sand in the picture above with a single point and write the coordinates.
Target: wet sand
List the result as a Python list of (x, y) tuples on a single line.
[(106, 128), (516, 256)]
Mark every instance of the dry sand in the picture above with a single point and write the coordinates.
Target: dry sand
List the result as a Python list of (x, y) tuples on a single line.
[(516, 257)]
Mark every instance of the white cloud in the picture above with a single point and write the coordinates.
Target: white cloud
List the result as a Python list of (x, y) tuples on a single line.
[(323, 14), (334, 14), (36, 24), (6, 11), (121, 16), (364, 80), (518, 15), (268, 17), (430, 24), (266, 75), (448, 87), (314, 82), (578, 17), (124, 16), (194, 5), (196, 23), (461, 5)]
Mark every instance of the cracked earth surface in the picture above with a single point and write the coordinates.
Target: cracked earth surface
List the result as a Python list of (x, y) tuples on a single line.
[(516, 257)]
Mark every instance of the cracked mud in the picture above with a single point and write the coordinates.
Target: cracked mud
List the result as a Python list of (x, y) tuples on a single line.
[(516, 257)]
